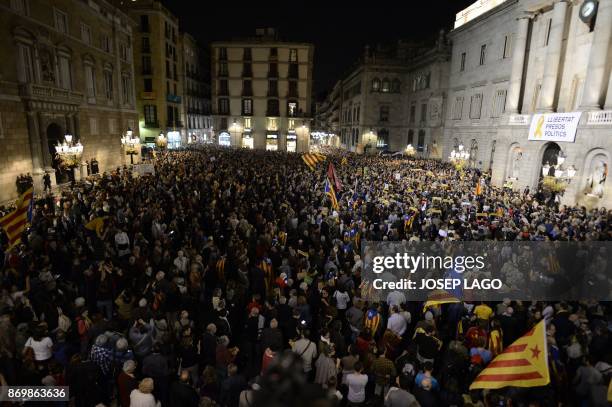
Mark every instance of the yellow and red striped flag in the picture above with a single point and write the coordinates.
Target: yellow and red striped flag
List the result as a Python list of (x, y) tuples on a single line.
[(15, 222), (312, 159), (478, 188), (522, 364), (439, 297), (331, 193)]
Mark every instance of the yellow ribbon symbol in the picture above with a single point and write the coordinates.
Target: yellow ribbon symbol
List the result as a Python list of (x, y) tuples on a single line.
[(538, 130)]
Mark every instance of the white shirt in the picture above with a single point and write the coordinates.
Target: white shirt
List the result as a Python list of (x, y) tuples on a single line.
[(139, 399), (397, 323), (42, 348), (342, 299), (356, 384)]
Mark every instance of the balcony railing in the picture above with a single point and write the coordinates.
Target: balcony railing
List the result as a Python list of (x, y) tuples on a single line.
[(151, 125), (602, 117), (35, 91), (147, 71), (174, 124), (273, 113), (147, 95)]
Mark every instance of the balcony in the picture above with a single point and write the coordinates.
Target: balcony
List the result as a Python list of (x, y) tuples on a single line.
[(173, 98), (146, 50), (147, 71), (273, 112), (147, 95), (145, 28), (174, 124), (151, 125), (602, 117), (48, 93)]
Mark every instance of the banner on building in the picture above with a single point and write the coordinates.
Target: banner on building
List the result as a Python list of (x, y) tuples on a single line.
[(554, 127)]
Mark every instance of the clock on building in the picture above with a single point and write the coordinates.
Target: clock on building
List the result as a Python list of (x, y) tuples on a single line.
[(588, 11)]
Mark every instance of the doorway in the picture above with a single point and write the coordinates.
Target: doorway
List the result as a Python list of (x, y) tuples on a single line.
[(550, 157)]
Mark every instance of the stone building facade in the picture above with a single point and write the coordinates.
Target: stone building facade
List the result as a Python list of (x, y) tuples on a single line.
[(544, 64), (196, 82), (71, 72), (261, 92)]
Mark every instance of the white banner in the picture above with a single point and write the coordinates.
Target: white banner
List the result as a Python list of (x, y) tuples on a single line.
[(554, 126)]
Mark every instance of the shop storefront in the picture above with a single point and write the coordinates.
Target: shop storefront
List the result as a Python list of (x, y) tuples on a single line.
[(291, 142), (174, 139), (224, 139), (247, 141), (272, 141)]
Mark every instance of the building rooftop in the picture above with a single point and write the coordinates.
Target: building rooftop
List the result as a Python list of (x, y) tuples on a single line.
[(476, 9)]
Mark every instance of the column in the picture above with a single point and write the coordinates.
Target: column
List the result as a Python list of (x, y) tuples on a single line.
[(46, 155), (553, 57), (76, 129), (595, 78), (35, 152), (518, 62), (608, 105)]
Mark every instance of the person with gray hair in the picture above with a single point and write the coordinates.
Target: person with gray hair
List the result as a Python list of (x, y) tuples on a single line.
[(122, 353), (126, 382), (101, 355)]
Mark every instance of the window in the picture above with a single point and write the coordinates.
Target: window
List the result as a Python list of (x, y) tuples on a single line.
[(293, 71), (146, 65), (146, 45), (90, 81), (382, 140), (292, 108), (395, 86), (108, 84), (150, 115), (223, 69), (247, 70), (273, 70), (247, 107), (507, 46), (423, 112), (385, 85), (272, 108), (457, 108), (65, 73), (223, 87), (475, 106), (126, 85), (112, 125), (247, 122), (107, 45), (499, 103), (247, 88), (293, 88), (61, 21), (223, 53), (148, 85), (175, 73), (144, 23), (20, 7), (223, 106), (85, 33), (26, 64), (123, 51), (291, 124), (384, 114), (483, 53), (421, 141), (93, 126), (246, 55), (293, 57), (272, 124), (412, 112), (375, 85), (547, 31), (272, 88), (462, 67)]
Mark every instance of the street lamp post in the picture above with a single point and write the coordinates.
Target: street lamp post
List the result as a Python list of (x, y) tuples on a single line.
[(161, 142), (69, 153), (410, 151), (459, 157), (131, 144)]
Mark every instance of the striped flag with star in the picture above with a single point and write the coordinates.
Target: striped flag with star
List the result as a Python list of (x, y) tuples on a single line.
[(331, 193), (15, 222), (522, 364), (439, 297), (312, 159)]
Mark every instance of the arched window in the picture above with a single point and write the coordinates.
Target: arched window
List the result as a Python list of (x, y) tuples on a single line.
[(26, 63), (375, 85), (385, 85), (90, 78), (395, 86)]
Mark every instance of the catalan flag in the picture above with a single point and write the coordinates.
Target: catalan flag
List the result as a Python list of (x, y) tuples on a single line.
[(266, 266), (439, 297), (333, 177), (220, 268), (15, 222), (478, 188), (282, 238), (329, 191), (312, 159), (522, 364)]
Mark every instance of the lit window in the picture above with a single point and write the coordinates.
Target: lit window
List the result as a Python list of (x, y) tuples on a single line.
[(385, 85), (376, 84)]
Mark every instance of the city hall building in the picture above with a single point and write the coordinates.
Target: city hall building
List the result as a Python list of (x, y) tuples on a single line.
[(530, 94)]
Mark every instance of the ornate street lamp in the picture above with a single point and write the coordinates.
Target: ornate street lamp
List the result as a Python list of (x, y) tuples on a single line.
[(410, 151), (69, 153), (131, 144), (161, 142), (459, 157)]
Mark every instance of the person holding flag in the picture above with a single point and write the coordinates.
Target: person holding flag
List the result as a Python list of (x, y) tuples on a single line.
[(331, 193), (15, 223)]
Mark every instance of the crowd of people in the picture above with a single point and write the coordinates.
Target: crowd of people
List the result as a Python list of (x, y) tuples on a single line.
[(226, 278)]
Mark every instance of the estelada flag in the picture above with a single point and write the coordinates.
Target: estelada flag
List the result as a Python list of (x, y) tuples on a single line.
[(522, 364), (15, 222), (312, 159), (439, 297)]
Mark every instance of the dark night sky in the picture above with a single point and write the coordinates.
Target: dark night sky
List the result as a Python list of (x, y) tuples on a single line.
[(339, 30)]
